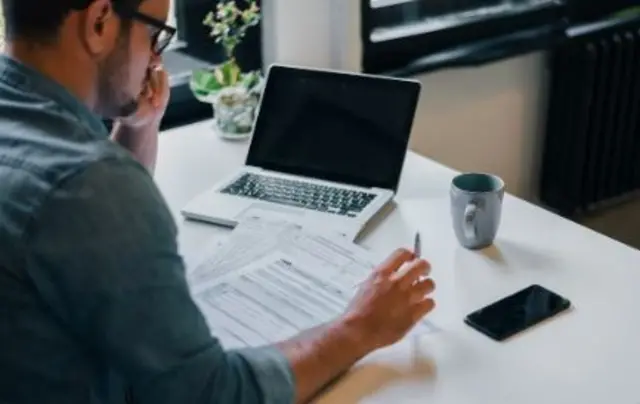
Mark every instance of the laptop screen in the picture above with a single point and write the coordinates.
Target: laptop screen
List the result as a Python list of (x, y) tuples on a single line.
[(334, 126)]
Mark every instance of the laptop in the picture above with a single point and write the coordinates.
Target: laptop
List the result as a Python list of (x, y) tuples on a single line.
[(327, 150)]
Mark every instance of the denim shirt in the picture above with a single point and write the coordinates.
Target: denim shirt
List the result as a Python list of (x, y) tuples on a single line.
[(94, 306)]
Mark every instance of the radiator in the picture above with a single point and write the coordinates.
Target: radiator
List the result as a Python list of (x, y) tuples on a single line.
[(591, 152)]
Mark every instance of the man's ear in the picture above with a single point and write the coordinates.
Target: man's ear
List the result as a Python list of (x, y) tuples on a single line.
[(99, 27)]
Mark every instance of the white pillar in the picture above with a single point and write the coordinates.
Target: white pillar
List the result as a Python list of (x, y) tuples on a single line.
[(317, 33)]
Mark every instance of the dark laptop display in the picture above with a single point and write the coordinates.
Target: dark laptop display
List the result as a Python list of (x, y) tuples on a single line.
[(334, 126)]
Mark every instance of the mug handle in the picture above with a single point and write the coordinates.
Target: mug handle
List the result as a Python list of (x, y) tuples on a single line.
[(469, 225)]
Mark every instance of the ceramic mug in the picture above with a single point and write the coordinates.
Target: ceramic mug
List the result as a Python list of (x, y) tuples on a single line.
[(476, 208)]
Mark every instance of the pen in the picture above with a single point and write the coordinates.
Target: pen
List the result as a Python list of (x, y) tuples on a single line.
[(417, 251)]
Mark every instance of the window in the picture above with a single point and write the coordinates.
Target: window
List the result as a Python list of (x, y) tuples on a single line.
[(193, 48), (172, 13), (398, 32), (393, 18), (1, 29)]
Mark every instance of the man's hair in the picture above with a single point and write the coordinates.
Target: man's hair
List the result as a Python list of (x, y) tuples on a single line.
[(40, 20)]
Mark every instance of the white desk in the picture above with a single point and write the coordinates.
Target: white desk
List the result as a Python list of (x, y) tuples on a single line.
[(589, 355)]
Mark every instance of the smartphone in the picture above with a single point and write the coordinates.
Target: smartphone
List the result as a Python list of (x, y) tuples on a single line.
[(517, 312)]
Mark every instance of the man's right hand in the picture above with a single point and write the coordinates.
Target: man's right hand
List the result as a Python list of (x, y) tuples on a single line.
[(391, 301)]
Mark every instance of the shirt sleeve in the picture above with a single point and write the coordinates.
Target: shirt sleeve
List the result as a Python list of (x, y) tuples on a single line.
[(102, 253)]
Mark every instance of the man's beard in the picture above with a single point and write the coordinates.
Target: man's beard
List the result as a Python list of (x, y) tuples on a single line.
[(113, 101)]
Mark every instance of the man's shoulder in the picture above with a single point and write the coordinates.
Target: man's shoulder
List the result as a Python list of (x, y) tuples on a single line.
[(111, 187), (47, 140), (39, 155)]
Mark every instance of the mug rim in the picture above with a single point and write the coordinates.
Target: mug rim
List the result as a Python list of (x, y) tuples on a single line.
[(495, 177)]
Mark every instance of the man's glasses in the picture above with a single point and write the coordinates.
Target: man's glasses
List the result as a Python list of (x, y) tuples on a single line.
[(161, 33)]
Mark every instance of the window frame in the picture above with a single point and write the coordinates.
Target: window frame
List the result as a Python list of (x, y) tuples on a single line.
[(466, 43)]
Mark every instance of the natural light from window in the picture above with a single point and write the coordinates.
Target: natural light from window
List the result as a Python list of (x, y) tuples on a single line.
[(172, 13), (1, 30)]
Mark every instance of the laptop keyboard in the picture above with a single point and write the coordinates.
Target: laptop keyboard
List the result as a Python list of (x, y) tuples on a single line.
[(301, 194)]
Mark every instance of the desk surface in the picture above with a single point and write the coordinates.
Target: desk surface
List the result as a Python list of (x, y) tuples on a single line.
[(588, 355)]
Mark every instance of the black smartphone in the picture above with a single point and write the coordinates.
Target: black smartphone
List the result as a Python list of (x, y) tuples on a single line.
[(517, 312)]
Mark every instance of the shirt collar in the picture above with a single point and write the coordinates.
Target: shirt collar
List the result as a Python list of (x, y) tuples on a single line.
[(28, 79)]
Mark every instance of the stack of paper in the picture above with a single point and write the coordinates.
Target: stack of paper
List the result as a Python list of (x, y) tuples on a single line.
[(272, 279)]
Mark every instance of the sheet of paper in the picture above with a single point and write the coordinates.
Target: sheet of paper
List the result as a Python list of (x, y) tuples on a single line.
[(275, 298), (274, 213), (252, 239), (278, 285), (255, 239), (208, 253)]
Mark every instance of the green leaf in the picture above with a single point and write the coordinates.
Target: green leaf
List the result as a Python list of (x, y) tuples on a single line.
[(228, 24), (230, 73), (208, 19), (249, 80), (204, 82)]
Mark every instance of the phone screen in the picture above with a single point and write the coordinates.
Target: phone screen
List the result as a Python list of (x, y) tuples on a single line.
[(517, 312)]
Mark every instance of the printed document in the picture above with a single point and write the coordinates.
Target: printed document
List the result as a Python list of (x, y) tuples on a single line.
[(272, 280)]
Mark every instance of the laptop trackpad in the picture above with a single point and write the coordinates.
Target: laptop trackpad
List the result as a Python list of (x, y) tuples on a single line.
[(271, 212)]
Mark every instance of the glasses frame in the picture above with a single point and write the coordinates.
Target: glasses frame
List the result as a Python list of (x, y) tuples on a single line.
[(157, 46)]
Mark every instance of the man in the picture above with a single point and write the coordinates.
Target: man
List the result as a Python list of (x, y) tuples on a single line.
[(94, 307)]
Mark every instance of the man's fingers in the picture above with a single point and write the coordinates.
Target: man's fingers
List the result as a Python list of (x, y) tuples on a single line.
[(161, 86), (146, 88), (395, 261), (422, 288), (423, 308), (416, 270), (154, 85), (163, 78)]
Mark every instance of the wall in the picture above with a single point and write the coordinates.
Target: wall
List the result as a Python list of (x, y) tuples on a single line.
[(487, 118)]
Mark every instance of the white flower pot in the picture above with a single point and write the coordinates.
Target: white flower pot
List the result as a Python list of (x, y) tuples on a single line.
[(234, 120)]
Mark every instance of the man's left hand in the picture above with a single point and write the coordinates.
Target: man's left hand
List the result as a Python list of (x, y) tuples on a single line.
[(138, 133), (152, 101)]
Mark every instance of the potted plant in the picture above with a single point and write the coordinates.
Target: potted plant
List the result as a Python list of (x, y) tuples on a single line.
[(233, 94)]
